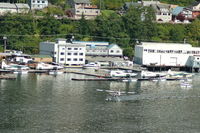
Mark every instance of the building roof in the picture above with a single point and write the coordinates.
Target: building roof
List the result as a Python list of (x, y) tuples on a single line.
[(7, 5), (148, 3), (40, 56), (82, 1), (22, 6), (195, 3), (177, 10), (165, 45), (112, 45), (161, 7), (127, 5)]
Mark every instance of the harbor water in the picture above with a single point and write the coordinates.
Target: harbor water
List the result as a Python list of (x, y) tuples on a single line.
[(41, 103)]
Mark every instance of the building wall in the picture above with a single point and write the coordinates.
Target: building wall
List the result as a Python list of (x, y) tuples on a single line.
[(196, 8), (38, 4), (138, 54), (7, 10), (164, 18), (164, 54), (45, 60), (115, 51), (64, 52)]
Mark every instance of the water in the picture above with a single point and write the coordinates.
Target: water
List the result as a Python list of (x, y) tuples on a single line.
[(36, 103)]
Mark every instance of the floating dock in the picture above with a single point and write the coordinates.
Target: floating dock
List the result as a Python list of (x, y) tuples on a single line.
[(7, 77)]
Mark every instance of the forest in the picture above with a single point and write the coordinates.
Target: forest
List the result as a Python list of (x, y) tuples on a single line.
[(24, 32)]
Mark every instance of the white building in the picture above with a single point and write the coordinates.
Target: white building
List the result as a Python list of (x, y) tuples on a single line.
[(163, 12), (166, 54), (94, 48), (13, 8), (38, 4), (64, 52), (85, 8)]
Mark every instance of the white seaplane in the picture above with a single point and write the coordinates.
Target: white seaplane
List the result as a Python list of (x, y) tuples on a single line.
[(116, 93)]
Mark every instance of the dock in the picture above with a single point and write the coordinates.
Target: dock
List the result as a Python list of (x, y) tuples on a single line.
[(99, 79), (9, 77)]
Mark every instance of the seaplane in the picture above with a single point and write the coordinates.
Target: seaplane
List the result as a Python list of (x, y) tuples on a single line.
[(116, 95)]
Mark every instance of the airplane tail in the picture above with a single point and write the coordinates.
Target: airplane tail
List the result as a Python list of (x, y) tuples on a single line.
[(3, 64)]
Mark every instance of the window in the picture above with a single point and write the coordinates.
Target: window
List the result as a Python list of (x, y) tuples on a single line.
[(80, 53), (38, 1), (151, 51), (75, 59), (111, 51), (61, 59), (33, 1), (62, 53), (63, 48), (75, 48), (69, 53), (75, 53), (81, 59), (69, 48), (68, 59), (80, 48), (43, 1)]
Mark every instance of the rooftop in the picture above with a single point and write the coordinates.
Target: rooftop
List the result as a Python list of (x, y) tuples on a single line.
[(82, 1)]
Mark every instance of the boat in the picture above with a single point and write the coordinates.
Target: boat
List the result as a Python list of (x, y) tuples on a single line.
[(55, 72), (122, 73), (45, 66), (148, 74), (13, 67), (176, 74), (129, 80), (20, 71), (185, 85), (92, 65)]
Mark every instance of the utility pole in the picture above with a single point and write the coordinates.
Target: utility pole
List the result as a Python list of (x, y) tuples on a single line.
[(5, 39)]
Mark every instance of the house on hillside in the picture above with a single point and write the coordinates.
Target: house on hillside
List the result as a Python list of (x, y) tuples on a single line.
[(83, 8), (13, 8), (37, 4), (188, 14), (195, 7), (163, 12)]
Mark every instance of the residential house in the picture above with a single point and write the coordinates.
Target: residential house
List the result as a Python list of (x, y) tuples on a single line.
[(115, 50), (163, 12), (13, 8), (83, 8), (189, 13), (64, 52), (37, 4), (105, 49)]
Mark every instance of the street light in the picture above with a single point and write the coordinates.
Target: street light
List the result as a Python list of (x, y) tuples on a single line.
[(5, 39)]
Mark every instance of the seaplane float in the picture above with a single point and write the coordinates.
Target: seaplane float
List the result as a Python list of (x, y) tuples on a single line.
[(115, 95)]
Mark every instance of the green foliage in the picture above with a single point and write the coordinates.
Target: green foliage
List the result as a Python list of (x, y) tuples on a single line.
[(179, 2), (25, 32)]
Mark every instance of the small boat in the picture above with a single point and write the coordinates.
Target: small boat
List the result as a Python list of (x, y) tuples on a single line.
[(55, 72), (148, 74), (20, 71), (121, 73), (129, 80), (186, 85), (92, 65)]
